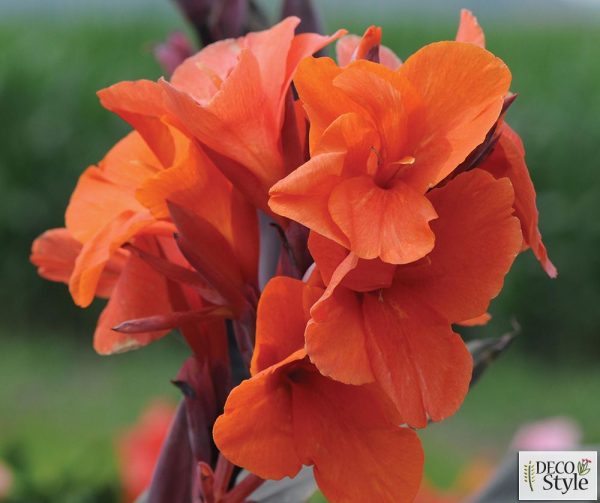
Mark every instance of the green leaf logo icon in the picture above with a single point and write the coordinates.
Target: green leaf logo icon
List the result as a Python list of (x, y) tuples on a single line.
[(529, 475), (583, 467)]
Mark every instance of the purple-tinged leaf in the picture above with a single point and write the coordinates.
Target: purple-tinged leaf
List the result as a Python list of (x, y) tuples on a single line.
[(172, 320), (180, 274)]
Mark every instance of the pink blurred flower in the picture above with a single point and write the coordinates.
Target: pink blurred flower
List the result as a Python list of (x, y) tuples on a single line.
[(556, 433)]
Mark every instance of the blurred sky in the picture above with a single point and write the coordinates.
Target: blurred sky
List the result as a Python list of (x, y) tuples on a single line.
[(519, 11)]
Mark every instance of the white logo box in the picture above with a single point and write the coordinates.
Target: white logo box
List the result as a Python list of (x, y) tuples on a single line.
[(558, 475)]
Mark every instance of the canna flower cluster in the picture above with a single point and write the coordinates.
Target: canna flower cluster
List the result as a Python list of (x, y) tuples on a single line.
[(400, 197)]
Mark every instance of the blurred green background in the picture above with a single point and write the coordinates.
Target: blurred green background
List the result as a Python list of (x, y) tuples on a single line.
[(61, 405)]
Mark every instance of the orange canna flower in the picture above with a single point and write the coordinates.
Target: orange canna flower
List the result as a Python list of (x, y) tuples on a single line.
[(393, 327), (288, 415), (230, 97), (381, 138), (417, 198), (124, 201)]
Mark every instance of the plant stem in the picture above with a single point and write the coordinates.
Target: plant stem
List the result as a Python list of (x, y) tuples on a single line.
[(223, 473)]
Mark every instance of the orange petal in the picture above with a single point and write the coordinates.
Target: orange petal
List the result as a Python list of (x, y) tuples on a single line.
[(141, 104), (303, 195), (54, 253), (368, 47), (469, 30), (139, 292), (98, 251), (462, 90), (355, 134), (372, 86), (358, 455), (231, 97), (508, 160), (422, 365), (283, 312), (323, 101), (391, 224), (202, 74), (368, 274), (304, 45), (385, 336), (336, 338), (105, 191), (476, 241), (271, 49), (236, 125), (279, 52), (326, 253), (346, 46), (256, 428)]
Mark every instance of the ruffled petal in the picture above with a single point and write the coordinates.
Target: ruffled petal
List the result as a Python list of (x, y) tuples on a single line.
[(374, 88), (256, 430), (391, 224), (54, 253), (345, 149), (303, 195), (98, 251), (202, 74), (477, 239), (105, 191), (322, 101), (234, 124), (462, 88)]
